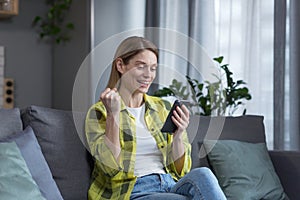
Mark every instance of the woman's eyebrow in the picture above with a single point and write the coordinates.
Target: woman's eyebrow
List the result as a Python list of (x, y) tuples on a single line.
[(144, 63), (140, 62)]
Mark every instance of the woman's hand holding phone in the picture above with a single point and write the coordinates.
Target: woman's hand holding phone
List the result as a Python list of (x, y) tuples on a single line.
[(177, 119), (181, 118)]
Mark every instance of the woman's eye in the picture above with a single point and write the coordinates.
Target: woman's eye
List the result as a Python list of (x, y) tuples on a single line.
[(140, 66), (153, 69)]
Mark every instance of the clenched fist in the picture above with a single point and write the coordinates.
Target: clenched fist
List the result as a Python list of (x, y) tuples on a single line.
[(111, 100)]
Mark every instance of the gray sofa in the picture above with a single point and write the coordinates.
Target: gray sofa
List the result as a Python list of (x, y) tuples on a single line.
[(71, 165)]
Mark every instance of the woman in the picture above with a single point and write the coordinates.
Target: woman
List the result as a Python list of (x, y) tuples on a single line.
[(133, 158)]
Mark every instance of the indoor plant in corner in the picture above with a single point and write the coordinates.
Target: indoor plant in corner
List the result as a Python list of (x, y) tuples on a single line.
[(211, 98), (53, 25)]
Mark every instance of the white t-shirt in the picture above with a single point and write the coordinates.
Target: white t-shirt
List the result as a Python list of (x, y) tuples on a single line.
[(148, 157)]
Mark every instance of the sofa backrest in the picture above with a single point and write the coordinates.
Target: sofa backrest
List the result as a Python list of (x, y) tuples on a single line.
[(246, 128), (67, 157), (10, 122)]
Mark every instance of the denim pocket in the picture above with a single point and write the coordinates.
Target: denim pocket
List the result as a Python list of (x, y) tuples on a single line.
[(148, 183)]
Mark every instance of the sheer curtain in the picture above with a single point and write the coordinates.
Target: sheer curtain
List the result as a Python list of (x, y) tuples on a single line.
[(294, 75), (239, 30), (286, 75), (245, 39), (183, 22)]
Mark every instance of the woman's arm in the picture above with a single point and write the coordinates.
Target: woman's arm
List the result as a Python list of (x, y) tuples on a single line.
[(178, 153), (112, 138), (181, 119), (95, 129), (102, 132), (112, 101)]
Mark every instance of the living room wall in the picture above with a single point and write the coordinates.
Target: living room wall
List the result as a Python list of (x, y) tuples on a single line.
[(27, 60), (68, 58), (43, 73)]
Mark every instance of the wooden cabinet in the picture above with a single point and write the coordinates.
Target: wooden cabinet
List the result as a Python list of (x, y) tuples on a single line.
[(9, 8)]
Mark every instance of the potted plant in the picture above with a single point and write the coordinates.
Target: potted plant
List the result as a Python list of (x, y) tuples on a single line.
[(212, 98), (53, 24)]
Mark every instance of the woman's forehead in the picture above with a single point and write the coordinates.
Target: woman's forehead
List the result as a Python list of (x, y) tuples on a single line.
[(146, 56)]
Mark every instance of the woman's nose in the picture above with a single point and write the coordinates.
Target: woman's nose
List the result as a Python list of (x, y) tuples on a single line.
[(147, 71)]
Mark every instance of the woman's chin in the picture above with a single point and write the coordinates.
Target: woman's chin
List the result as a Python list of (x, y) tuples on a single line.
[(143, 89)]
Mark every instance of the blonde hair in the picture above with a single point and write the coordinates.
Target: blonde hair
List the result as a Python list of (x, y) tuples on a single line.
[(127, 49)]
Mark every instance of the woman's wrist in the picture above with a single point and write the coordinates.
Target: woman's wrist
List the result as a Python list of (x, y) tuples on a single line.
[(112, 115), (114, 147)]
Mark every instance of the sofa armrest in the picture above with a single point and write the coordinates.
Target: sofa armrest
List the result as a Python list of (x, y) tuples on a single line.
[(287, 165)]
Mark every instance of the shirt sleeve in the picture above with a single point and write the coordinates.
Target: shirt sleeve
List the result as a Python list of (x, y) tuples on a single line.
[(95, 125)]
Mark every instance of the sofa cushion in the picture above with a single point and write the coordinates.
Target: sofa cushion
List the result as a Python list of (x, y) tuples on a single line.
[(15, 177), (286, 164), (246, 128), (35, 161), (10, 122), (68, 159), (244, 170)]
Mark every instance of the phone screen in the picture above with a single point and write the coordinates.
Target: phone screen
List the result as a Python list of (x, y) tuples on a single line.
[(169, 125)]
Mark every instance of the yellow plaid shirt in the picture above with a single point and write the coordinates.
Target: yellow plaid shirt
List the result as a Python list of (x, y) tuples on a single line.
[(115, 180)]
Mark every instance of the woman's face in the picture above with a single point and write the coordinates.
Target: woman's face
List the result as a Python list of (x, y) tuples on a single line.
[(139, 73)]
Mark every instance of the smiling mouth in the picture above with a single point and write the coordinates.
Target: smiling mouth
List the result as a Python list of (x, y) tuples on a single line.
[(144, 83)]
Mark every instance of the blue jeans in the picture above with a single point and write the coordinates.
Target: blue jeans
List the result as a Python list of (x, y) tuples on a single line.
[(198, 184)]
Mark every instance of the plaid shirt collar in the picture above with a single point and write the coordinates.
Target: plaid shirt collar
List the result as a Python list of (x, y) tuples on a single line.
[(149, 103)]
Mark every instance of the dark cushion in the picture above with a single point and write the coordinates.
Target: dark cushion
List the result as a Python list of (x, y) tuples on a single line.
[(287, 164), (246, 128), (244, 170), (68, 159), (36, 163), (10, 122)]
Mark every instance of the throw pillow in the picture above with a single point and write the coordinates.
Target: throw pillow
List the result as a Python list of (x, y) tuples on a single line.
[(16, 181), (38, 167), (62, 148), (244, 170)]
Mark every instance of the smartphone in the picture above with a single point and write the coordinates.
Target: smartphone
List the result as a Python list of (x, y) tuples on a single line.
[(169, 125)]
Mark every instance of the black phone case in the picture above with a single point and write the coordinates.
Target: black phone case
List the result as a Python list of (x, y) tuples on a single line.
[(169, 125)]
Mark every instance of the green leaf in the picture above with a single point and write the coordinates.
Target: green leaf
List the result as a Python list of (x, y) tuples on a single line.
[(53, 24), (214, 96), (219, 59), (42, 35), (200, 86), (163, 92), (70, 26), (69, 2), (58, 40), (37, 19), (50, 14), (55, 30), (240, 82)]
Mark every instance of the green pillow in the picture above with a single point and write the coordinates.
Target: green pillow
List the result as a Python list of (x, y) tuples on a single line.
[(16, 181), (244, 170)]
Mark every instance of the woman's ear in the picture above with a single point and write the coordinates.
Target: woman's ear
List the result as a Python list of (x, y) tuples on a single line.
[(120, 65)]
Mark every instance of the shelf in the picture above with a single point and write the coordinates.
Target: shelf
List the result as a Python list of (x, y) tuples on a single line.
[(9, 8)]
